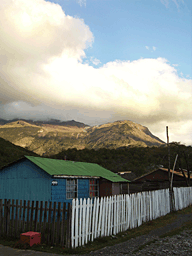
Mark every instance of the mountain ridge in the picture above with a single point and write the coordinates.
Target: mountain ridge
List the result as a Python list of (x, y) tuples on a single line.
[(51, 137)]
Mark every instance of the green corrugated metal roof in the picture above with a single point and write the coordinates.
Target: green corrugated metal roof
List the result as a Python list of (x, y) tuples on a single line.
[(63, 167)]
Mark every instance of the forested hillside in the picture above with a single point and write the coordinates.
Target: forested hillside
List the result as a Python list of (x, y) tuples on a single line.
[(139, 160), (10, 153)]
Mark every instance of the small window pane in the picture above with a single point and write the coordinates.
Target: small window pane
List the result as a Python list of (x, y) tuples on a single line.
[(71, 188), (93, 187)]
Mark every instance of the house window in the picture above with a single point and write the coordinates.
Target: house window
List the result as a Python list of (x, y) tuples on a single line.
[(93, 187), (71, 188)]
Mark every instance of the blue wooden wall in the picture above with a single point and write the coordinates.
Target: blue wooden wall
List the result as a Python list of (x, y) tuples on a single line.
[(24, 180)]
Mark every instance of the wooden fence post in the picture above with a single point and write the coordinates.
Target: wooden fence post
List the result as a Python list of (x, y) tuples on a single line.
[(20, 210), (58, 233), (8, 217), (49, 223), (44, 222), (23, 222), (31, 221), (12, 217), (68, 230), (63, 226), (53, 224), (5, 217), (28, 220), (16, 218), (41, 214), (36, 215)]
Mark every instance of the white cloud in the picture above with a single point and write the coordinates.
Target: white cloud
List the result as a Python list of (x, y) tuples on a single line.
[(95, 61), (34, 33), (176, 2), (43, 75), (81, 2), (148, 48), (165, 2)]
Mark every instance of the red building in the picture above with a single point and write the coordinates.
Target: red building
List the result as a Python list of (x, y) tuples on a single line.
[(158, 179)]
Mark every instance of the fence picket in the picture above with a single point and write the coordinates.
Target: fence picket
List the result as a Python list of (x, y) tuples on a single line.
[(73, 223), (36, 215), (49, 222), (90, 218), (87, 220), (16, 218), (8, 216), (76, 222), (109, 217), (112, 216), (23, 219), (94, 219), (83, 226), (63, 225), (12, 218), (53, 224), (97, 218), (100, 215), (80, 221), (41, 213)]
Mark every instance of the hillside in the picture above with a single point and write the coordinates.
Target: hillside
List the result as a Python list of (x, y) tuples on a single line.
[(48, 138), (10, 153), (136, 160)]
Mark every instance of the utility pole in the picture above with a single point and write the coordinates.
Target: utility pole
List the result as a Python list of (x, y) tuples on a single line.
[(168, 147), (171, 194)]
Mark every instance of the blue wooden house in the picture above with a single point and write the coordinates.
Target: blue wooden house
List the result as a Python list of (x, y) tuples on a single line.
[(44, 179)]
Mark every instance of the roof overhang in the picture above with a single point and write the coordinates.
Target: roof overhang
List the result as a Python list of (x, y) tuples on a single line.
[(75, 177)]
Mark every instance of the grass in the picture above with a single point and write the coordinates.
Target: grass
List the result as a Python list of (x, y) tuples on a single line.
[(177, 231), (102, 242)]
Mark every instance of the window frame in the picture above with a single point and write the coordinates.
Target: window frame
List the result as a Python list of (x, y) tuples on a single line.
[(68, 190), (93, 186)]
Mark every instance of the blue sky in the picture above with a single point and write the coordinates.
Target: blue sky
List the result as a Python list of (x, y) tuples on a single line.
[(123, 29), (98, 61)]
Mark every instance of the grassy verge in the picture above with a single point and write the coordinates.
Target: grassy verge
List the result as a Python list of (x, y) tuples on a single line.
[(177, 231), (106, 241)]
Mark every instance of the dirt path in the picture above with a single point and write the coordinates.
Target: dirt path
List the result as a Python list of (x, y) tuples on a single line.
[(126, 248)]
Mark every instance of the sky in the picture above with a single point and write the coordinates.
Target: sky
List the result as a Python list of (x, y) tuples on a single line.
[(98, 61)]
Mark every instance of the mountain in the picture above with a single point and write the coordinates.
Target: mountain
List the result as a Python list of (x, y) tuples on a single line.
[(10, 152), (39, 123), (120, 134), (51, 137)]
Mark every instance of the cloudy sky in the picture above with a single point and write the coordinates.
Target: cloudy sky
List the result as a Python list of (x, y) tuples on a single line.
[(98, 61)]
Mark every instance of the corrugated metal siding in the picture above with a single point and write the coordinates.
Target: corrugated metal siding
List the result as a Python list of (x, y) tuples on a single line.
[(25, 181), (62, 167)]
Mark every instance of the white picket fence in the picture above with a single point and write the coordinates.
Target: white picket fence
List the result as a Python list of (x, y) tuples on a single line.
[(183, 197), (110, 215)]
